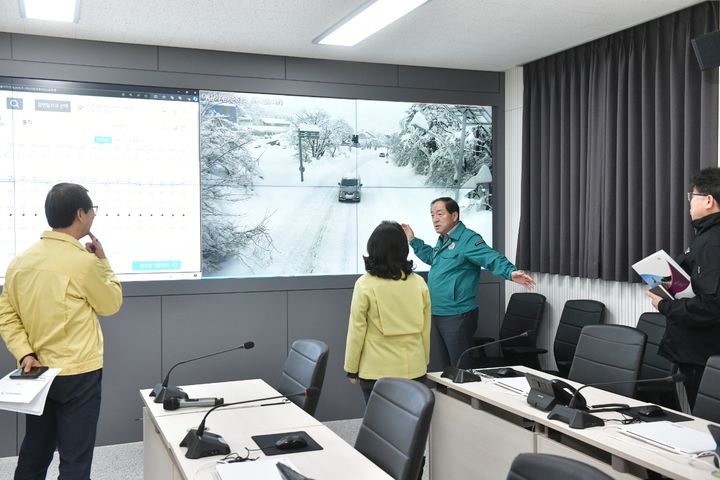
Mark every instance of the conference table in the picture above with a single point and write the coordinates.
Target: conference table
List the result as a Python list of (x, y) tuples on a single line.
[(478, 428), (163, 430)]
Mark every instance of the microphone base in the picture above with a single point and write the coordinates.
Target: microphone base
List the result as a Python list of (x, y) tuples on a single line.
[(161, 393), (459, 375), (205, 445), (578, 419)]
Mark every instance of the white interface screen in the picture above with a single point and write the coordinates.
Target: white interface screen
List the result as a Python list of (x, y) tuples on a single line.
[(135, 149)]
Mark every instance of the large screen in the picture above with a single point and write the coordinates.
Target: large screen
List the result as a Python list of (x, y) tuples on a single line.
[(295, 185), (194, 183), (135, 149)]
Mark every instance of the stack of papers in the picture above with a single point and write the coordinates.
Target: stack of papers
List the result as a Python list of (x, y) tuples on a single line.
[(518, 385), (671, 436), (26, 395)]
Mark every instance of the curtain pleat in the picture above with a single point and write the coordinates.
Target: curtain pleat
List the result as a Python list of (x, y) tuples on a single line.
[(613, 130)]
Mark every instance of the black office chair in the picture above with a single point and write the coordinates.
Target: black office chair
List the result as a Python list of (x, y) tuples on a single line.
[(654, 365), (395, 426), (609, 353), (304, 368), (707, 404), (575, 315), (538, 466), (524, 312)]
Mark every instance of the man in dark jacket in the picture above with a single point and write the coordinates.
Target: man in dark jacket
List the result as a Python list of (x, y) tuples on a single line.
[(693, 324)]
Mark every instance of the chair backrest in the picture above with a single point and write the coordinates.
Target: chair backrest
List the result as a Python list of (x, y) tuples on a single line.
[(304, 368), (538, 466), (653, 365), (609, 353), (707, 404), (575, 315), (395, 426), (524, 312)]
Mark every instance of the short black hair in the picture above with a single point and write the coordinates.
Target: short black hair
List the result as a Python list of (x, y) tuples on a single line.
[(62, 203), (450, 205), (707, 181), (388, 250)]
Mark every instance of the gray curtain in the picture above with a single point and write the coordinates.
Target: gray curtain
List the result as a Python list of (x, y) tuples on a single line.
[(613, 131)]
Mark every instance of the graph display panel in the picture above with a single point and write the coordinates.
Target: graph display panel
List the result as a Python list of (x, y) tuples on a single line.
[(135, 149)]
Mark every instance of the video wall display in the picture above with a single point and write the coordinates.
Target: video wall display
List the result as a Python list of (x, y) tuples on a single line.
[(135, 149), (193, 183), (295, 185)]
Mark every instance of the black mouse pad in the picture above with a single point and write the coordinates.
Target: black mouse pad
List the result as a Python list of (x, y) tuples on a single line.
[(267, 443), (667, 417)]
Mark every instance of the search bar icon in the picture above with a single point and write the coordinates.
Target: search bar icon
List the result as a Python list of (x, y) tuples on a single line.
[(14, 103)]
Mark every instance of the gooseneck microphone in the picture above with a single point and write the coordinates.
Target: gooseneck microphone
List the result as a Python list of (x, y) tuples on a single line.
[(173, 403), (675, 377), (161, 391), (576, 415), (460, 375), (201, 443)]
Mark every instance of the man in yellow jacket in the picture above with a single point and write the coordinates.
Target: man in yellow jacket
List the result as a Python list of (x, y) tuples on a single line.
[(48, 316)]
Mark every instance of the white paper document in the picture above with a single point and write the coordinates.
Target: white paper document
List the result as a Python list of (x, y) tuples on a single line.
[(671, 436), (518, 385), (257, 470), (26, 395)]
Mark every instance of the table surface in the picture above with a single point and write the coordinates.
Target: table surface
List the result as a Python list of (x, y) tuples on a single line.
[(238, 423), (607, 438)]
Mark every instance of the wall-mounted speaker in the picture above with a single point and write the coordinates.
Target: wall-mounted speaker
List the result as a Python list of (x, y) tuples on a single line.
[(707, 49)]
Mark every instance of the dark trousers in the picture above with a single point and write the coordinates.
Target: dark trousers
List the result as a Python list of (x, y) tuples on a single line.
[(693, 375), (68, 423), (449, 337), (367, 386)]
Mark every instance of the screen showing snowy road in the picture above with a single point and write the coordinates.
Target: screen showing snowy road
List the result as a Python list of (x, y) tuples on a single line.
[(295, 185)]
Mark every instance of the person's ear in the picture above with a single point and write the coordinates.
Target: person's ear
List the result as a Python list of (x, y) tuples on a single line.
[(455, 216)]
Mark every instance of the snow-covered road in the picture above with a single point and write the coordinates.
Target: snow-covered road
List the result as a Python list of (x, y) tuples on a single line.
[(312, 232)]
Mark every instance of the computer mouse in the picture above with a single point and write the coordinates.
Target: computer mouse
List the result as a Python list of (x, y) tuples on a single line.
[(290, 442), (651, 411)]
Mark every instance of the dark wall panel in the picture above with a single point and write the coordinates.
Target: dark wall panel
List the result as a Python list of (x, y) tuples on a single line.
[(83, 52), (132, 362), (220, 63), (333, 71), (8, 420), (323, 314), (195, 325), (449, 79), (5, 49)]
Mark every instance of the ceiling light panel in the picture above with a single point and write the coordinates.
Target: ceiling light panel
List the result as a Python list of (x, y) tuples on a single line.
[(368, 19)]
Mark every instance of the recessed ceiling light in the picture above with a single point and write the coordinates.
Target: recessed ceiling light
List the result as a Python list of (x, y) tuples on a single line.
[(54, 10), (366, 20)]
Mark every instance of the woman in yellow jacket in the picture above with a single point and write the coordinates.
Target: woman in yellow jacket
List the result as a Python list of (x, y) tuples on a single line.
[(389, 326)]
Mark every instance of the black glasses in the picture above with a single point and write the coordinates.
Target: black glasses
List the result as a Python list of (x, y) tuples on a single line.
[(95, 209), (693, 194)]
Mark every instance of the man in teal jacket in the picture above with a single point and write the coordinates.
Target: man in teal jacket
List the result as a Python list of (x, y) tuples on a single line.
[(456, 264)]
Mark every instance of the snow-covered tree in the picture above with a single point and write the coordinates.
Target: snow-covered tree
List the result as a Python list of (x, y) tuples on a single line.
[(431, 141), (340, 134), (227, 172), (332, 133)]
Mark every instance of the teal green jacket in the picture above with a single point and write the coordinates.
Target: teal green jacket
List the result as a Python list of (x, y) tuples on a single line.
[(455, 270)]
